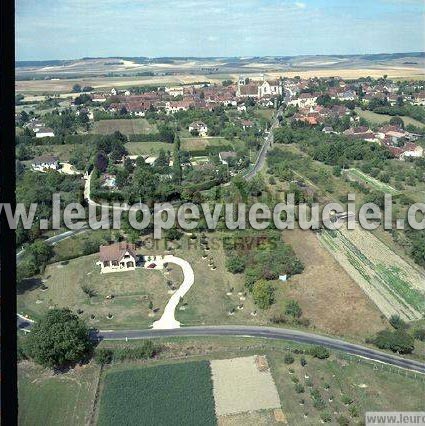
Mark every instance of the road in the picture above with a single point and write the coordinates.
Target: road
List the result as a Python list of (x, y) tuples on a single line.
[(251, 331), (268, 333), (261, 158)]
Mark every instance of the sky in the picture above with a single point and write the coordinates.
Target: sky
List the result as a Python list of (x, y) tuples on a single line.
[(71, 29)]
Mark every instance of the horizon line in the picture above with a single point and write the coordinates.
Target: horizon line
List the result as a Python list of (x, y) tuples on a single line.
[(222, 57)]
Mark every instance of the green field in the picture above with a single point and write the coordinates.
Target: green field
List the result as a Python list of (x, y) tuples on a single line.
[(147, 148), (199, 143), (374, 183), (125, 126), (375, 118), (63, 399), (175, 394)]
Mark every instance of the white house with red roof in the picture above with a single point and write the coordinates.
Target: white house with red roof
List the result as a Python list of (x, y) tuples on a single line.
[(117, 257)]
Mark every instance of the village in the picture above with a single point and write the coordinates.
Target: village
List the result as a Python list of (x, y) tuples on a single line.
[(252, 139)]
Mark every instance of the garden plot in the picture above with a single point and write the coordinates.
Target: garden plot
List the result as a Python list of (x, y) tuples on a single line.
[(239, 386), (396, 287)]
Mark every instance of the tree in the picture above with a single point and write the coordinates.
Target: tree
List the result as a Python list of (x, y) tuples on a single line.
[(41, 252), (59, 339), (293, 309), (76, 88), (263, 294), (397, 341), (319, 352), (173, 234), (397, 322), (235, 264), (101, 161), (397, 121), (166, 134)]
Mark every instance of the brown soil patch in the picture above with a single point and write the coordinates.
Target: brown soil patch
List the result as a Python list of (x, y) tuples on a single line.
[(279, 416), (328, 296), (240, 387)]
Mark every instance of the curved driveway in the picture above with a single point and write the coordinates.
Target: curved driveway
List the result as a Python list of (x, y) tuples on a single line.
[(167, 320)]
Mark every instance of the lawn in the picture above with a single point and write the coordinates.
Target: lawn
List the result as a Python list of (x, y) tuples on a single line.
[(374, 183), (174, 394), (209, 300), (147, 148), (47, 399), (125, 126), (132, 291), (199, 143), (63, 152), (375, 118)]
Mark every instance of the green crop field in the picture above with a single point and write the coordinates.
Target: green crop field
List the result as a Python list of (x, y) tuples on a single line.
[(178, 394), (374, 183), (49, 399)]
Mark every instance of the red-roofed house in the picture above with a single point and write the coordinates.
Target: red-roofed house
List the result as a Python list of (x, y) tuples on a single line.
[(117, 257)]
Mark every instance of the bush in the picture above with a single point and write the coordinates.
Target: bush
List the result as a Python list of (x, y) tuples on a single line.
[(342, 421), (397, 341), (145, 351), (263, 294), (293, 309), (397, 322), (346, 400), (235, 264), (319, 352), (299, 388), (303, 362), (419, 334), (103, 356), (326, 417), (288, 359)]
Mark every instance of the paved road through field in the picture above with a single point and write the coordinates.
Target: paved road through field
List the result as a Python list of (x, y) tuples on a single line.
[(268, 333)]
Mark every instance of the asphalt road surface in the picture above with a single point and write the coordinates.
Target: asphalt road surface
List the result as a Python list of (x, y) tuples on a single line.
[(267, 333), (261, 159)]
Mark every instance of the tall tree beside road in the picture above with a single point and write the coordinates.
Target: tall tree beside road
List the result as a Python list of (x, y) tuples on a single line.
[(59, 339)]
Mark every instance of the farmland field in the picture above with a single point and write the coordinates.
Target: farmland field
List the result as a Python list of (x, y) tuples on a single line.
[(174, 394), (370, 181), (396, 287), (375, 118), (126, 127), (47, 399)]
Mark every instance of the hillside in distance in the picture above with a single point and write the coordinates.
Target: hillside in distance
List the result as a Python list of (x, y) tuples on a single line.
[(402, 64)]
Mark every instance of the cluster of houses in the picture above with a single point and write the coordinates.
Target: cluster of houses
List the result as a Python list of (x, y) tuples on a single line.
[(318, 114), (182, 98), (39, 128), (397, 140)]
